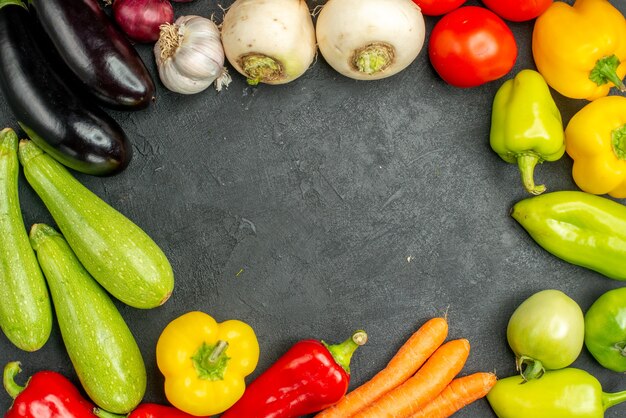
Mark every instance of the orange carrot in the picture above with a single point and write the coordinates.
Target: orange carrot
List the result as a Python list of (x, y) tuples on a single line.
[(424, 386), (460, 393), (409, 358)]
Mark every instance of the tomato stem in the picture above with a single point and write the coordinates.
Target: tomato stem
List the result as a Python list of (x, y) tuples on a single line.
[(529, 368)]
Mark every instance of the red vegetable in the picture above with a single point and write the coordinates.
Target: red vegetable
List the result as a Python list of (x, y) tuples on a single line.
[(518, 10), (309, 377), (47, 395), (141, 19), (472, 46), (149, 410), (438, 7)]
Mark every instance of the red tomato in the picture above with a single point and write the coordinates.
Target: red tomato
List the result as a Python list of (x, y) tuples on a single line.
[(438, 7), (518, 10), (471, 46)]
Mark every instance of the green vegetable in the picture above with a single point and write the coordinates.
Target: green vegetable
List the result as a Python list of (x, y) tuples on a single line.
[(115, 251), (25, 311), (605, 329), (565, 393), (102, 349), (526, 125), (578, 227), (546, 332)]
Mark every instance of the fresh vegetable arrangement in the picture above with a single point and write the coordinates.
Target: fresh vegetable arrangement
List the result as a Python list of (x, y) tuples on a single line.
[(102, 349), (419, 381), (115, 251), (587, 62), (72, 130), (98, 54), (595, 138), (190, 56), (205, 363), (100, 254), (580, 228), (546, 332), (568, 392), (605, 330), (358, 39), (25, 311), (526, 126), (269, 41), (310, 376), (455, 55), (141, 19)]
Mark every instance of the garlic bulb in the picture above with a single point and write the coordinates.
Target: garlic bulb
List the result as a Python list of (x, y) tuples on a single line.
[(190, 56)]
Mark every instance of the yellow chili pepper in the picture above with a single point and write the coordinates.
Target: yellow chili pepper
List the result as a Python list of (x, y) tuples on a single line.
[(595, 138), (205, 363), (581, 50)]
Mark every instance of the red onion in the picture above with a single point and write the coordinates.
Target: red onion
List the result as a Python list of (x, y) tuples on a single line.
[(141, 19)]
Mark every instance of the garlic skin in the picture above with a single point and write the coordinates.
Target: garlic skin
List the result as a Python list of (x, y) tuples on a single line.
[(189, 55)]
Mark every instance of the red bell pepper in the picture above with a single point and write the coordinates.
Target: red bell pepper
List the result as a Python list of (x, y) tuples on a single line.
[(148, 410), (47, 395), (309, 377), (51, 395)]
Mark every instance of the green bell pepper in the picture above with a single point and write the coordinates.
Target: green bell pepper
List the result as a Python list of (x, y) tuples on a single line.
[(605, 329), (578, 227), (526, 126), (565, 393)]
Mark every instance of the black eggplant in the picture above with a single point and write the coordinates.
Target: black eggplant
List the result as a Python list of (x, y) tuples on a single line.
[(96, 52), (75, 132)]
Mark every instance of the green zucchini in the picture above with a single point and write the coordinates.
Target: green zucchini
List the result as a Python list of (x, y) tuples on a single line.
[(115, 251), (25, 310), (100, 345)]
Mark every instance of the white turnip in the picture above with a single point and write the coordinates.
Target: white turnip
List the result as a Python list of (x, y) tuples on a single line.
[(269, 41), (370, 39)]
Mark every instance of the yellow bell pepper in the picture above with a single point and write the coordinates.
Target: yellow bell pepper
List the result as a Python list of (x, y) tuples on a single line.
[(205, 363), (595, 138), (581, 50)]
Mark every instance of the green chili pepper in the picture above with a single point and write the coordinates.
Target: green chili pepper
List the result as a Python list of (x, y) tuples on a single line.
[(580, 228), (526, 125), (605, 329), (565, 393)]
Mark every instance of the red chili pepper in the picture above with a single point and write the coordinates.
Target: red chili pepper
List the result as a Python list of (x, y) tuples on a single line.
[(148, 410), (46, 395), (309, 377)]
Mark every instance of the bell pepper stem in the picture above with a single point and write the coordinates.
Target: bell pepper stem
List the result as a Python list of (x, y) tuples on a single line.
[(612, 399), (342, 352), (12, 2), (8, 379), (526, 164), (618, 141), (606, 71), (217, 351), (210, 360)]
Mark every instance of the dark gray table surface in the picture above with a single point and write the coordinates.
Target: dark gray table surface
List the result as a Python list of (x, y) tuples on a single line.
[(325, 205)]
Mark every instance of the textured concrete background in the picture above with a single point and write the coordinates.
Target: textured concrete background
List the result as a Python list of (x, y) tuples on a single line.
[(326, 205)]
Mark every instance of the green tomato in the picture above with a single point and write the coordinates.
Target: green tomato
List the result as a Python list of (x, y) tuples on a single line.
[(546, 332), (605, 330)]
